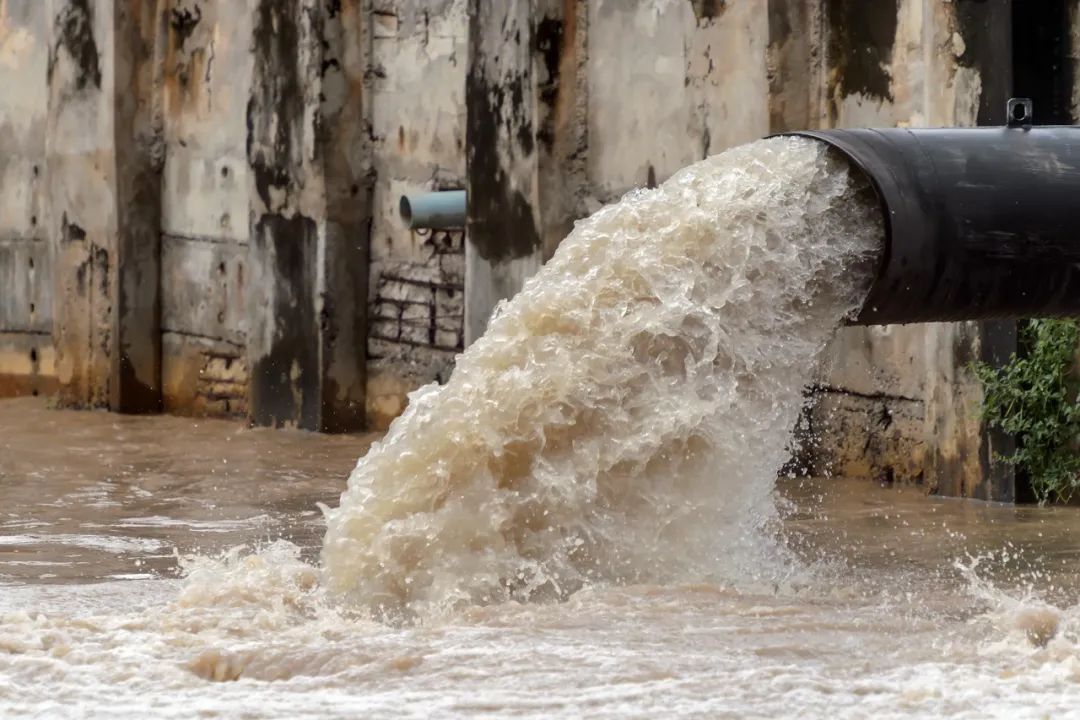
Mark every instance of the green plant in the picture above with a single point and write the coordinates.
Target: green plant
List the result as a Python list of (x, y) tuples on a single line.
[(1034, 398)]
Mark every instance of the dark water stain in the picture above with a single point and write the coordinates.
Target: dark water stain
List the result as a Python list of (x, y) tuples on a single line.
[(861, 37), (285, 381), (708, 9), (779, 21), (501, 223), (275, 112), (183, 23), (548, 44), (138, 397), (75, 35), (99, 257), (986, 29), (70, 232)]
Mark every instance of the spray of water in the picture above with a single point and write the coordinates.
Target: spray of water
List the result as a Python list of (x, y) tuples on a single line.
[(624, 417)]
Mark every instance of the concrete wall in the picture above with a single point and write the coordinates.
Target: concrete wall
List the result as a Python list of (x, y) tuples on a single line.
[(102, 169), (205, 204), (417, 279), (27, 355), (164, 163), (567, 111), (198, 198), (688, 102)]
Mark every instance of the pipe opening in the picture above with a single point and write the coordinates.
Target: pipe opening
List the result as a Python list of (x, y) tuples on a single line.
[(869, 192), (405, 209)]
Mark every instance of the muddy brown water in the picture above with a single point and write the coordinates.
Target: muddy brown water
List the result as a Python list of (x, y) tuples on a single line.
[(91, 497), (896, 605)]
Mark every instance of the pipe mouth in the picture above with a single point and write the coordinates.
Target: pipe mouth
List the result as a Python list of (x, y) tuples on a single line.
[(871, 191), (405, 209), (855, 165)]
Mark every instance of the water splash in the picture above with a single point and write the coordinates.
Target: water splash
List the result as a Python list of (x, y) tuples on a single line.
[(624, 417), (1013, 609)]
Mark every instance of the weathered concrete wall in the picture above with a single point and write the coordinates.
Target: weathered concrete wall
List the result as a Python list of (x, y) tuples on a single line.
[(701, 87), (504, 243), (308, 154), (78, 178), (103, 179), (898, 402), (205, 205), (185, 206), (417, 279), (27, 358)]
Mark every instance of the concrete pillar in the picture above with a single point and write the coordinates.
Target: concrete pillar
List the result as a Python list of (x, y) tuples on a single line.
[(135, 368), (307, 259), (103, 165), (987, 30), (344, 142), (525, 125)]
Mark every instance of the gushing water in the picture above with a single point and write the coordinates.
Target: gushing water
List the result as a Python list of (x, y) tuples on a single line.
[(625, 416)]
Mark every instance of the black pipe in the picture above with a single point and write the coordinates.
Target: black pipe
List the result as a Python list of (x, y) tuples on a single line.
[(980, 223)]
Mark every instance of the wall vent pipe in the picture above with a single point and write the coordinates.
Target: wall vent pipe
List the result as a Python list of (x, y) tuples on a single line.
[(444, 210)]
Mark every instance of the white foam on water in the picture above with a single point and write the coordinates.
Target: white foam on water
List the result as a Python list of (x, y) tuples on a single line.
[(105, 543), (625, 415), (250, 634)]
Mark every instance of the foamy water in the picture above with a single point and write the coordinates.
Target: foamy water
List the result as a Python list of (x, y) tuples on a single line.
[(899, 620), (583, 522), (624, 417)]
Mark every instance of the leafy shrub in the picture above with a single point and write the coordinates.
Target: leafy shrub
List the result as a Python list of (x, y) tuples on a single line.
[(1034, 398)]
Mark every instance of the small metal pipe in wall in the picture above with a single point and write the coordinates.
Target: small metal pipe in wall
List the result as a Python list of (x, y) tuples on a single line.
[(443, 210)]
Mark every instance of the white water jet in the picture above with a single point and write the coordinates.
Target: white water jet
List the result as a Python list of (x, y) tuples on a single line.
[(624, 418)]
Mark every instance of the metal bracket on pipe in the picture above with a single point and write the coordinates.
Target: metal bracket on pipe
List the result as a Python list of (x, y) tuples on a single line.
[(1019, 113), (443, 210)]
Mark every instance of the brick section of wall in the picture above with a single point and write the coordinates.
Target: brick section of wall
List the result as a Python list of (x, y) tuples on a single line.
[(203, 376), (419, 306), (416, 324)]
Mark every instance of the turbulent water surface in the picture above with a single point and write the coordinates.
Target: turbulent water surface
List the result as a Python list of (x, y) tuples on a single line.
[(584, 520)]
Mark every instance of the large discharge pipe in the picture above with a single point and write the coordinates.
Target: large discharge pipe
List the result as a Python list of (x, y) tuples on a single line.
[(981, 223)]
